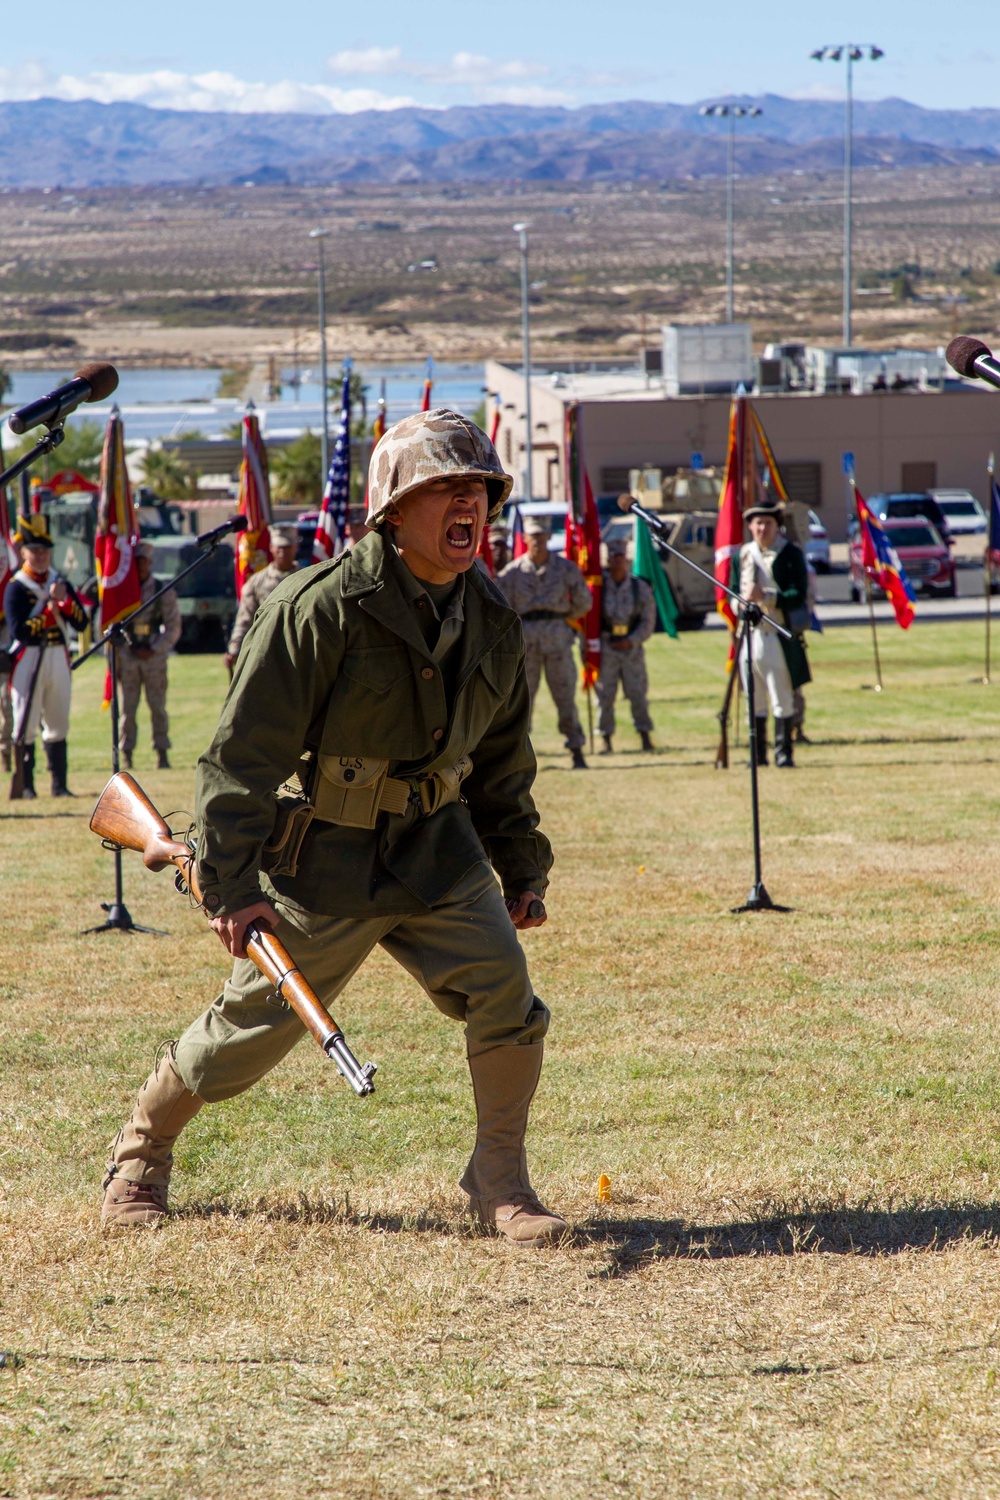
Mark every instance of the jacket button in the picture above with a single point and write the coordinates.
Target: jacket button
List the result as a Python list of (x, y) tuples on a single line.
[(438, 734), (211, 901), (427, 673)]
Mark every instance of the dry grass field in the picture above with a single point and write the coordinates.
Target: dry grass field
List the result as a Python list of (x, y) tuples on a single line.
[(795, 1288), (188, 276)]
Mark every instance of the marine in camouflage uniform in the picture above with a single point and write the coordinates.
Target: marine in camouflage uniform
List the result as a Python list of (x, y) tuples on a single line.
[(260, 586), (389, 683), (548, 591), (142, 661), (628, 618)]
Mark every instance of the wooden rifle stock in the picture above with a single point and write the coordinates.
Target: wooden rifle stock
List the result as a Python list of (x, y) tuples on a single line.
[(722, 754), (125, 816)]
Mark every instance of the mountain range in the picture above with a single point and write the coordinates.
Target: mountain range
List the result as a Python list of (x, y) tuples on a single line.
[(47, 142)]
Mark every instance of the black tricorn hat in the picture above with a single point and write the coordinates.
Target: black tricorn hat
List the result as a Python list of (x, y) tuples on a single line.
[(765, 507), (32, 531)]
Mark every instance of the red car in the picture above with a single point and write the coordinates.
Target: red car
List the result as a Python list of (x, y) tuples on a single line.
[(924, 557)]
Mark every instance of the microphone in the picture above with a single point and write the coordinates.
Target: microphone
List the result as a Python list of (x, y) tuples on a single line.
[(973, 359), (93, 383), (209, 538)]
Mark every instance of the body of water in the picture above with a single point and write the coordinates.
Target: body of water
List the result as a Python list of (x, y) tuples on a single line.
[(165, 403)]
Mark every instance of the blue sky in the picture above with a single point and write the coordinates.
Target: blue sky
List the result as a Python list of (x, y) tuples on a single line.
[(304, 55)]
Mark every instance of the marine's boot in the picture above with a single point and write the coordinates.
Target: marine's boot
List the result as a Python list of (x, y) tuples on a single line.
[(504, 1080), (783, 752), (608, 749), (126, 759), (28, 762), (56, 755), (135, 1188), (760, 729), (162, 761), (579, 764), (5, 761), (645, 740)]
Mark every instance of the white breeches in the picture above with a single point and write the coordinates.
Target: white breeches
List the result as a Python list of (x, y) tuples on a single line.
[(50, 704), (771, 680)]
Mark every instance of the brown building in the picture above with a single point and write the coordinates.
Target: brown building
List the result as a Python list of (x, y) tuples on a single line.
[(900, 440)]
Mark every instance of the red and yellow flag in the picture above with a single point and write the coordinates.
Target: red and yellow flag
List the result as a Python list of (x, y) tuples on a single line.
[(254, 549), (425, 404), (583, 542), (117, 534)]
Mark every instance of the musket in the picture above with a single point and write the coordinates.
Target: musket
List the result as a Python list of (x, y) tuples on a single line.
[(17, 749), (126, 819), (722, 754)]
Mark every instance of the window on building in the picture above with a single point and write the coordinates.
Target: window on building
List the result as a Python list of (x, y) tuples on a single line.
[(804, 482), (614, 481), (918, 476)]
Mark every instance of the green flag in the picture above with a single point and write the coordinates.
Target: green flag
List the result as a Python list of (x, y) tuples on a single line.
[(647, 565)]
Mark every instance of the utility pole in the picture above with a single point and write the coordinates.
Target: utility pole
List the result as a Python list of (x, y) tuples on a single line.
[(732, 113), (521, 230), (319, 235)]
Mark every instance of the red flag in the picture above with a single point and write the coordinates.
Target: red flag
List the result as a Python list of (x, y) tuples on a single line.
[(736, 485), (9, 561), (495, 424), (117, 534), (254, 550), (520, 545), (425, 405), (583, 542)]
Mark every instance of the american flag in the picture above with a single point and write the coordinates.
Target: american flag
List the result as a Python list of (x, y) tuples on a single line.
[(331, 528)]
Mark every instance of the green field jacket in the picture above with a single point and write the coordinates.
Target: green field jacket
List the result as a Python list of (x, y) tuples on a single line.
[(336, 662)]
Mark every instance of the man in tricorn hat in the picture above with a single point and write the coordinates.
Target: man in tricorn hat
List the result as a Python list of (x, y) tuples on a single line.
[(771, 571), (390, 684), (628, 618), (548, 590), (260, 586), (142, 661), (40, 606)]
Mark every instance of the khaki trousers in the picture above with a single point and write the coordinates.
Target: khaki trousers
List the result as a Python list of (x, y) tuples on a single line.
[(628, 668), (464, 952), (560, 674), (134, 674)]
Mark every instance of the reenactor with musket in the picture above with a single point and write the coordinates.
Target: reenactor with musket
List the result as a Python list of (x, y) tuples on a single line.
[(142, 661), (628, 619), (371, 764), (547, 591), (40, 606)]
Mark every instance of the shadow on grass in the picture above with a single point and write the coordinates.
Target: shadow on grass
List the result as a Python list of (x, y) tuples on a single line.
[(306, 1210), (638, 1243)]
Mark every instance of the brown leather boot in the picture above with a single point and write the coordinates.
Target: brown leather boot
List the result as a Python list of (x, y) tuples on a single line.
[(135, 1188), (504, 1080)]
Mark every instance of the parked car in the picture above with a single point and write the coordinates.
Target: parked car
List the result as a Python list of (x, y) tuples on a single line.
[(924, 557), (963, 512), (817, 544), (902, 505)]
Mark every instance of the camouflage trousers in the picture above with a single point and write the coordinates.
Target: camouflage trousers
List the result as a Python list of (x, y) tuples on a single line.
[(629, 669), (464, 953), (134, 674), (560, 674)]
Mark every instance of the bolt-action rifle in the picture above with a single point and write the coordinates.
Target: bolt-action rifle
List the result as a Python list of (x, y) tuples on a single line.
[(125, 818)]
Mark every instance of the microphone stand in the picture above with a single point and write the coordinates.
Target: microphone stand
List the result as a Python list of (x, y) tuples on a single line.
[(751, 616), (119, 918), (51, 440)]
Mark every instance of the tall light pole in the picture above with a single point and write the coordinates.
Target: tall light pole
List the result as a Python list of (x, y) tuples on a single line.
[(521, 230), (851, 52), (319, 235), (732, 113)]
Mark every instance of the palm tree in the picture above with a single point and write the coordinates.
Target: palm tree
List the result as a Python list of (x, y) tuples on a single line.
[(297, 471), (167, 476)]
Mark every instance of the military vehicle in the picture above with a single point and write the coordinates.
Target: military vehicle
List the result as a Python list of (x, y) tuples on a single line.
[(688, 502), (207, 597)]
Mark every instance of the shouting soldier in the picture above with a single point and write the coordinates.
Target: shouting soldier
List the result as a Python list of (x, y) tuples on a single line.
[(390, 683)]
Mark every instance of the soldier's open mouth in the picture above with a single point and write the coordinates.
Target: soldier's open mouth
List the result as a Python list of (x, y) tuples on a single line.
[(460, 532)]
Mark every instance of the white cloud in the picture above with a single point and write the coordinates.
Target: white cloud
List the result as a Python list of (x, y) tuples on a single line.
[(462, 70), (166, 89), (378, 60)]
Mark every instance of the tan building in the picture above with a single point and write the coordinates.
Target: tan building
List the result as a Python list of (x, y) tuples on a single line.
[(900, 440)]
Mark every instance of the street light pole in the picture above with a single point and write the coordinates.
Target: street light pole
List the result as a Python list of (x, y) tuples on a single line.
[(732, 113), (319, 235), (521, 230), (852, 52)]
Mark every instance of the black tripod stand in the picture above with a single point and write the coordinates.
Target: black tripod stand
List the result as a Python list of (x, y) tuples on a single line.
[(751, 616), (119, 919)]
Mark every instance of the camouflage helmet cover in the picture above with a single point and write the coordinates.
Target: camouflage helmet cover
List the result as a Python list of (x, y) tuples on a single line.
[(437, 444)]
